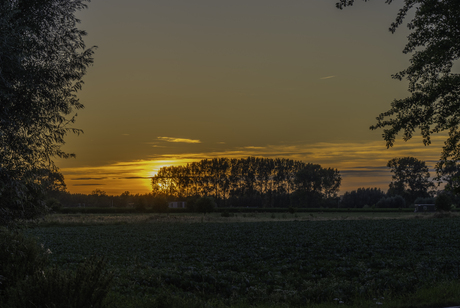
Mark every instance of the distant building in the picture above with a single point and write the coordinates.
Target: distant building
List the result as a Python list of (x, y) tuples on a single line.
[(425, 208), (177, 205)]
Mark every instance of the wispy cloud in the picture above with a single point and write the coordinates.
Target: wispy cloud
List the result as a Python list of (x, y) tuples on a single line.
[(90, 178), (254, 148), (361, 164), (182, 140), (328, 77)]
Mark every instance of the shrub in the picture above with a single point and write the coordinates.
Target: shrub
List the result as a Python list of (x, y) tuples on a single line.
[(226, 213), (420, 200), (140, 205), (54, 287), (391, 202), (20, 256), (205, 205), (53, 204), (292, 210), (443, 202), (160, 204), (28, 281)]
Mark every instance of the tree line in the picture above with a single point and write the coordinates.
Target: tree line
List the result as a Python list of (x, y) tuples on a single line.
[(265, 182), (252, 181)]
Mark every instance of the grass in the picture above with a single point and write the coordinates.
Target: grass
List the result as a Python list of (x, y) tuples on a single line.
[(257, 259), (109, 219)]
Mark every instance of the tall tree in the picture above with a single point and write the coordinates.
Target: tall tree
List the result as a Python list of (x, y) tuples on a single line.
[(450, 175), (42, 61), (434, 103), (361, 197), (411, 179), (315, 183)]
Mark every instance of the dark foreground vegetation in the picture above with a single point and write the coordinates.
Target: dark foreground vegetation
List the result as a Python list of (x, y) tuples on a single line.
[(271, 264)]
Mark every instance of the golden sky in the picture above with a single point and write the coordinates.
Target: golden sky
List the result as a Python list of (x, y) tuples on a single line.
[(176, 81)]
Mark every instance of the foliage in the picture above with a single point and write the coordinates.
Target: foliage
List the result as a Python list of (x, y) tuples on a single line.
[(53, 204), (411, 179), (205, 205), (429, 200), (449, 173), (443, 202), (391, 202), (20, 256), (241, 182), (54, 287), (43, 60), (28, 281), (226, 213), (361, 197), (284, 263), (314, 183), (160, 204), (434, 102)]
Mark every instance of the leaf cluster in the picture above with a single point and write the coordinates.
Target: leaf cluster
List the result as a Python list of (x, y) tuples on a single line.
[(42, 61), (434, 104)]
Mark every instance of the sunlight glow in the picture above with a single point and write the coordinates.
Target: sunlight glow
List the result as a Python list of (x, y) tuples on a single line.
[(351, 159)]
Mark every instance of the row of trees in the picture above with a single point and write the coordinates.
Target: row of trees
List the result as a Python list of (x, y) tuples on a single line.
[(411, 183), (262, 182), (249, 181)]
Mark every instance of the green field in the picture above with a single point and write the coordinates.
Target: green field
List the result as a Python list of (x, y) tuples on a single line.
[(188, 260)]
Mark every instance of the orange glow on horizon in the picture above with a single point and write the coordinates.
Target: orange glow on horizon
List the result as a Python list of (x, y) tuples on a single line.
[(361, 164)]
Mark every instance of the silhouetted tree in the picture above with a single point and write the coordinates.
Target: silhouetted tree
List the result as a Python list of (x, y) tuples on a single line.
[(391, 202), (443, 202), (449, 173), (434, 104), (313, 183), (205, 205), (43, 59), (251, 181), (361, 197), (411, 178)]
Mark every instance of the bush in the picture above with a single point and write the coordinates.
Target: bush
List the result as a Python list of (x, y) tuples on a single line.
[(53, 204), (421, 200), (28, 281), (443, 202), (205, 205), (160, 204), (20, 257), (292, 210), (391, 202), (140, 205), (54, 287), (226, 213)]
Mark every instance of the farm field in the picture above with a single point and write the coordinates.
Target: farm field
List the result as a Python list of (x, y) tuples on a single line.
[(267, 263), (80, 218)]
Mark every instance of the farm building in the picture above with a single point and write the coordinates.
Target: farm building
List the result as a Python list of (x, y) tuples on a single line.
[(177, 205), (424, 208)]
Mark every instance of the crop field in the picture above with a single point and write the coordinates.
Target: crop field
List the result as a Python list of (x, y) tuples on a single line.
[(84, 218), (273, 263)]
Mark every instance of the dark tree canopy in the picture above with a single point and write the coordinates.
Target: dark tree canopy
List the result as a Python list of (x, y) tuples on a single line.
[(42, 61), (251, 181), (361, 197), (450, 175), (410, 179), (434, 103)]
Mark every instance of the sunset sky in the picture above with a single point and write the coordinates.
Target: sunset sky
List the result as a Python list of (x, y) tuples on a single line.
[(176, 81)]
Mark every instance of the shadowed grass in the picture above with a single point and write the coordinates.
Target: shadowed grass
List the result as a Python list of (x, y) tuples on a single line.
[(110, 219)]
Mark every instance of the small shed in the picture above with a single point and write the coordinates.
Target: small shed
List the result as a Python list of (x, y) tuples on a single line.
[(177, 205), (424, 208)]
